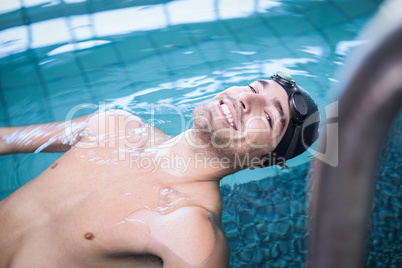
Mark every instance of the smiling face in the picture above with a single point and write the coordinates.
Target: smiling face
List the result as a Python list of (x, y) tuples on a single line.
[(245, 119)]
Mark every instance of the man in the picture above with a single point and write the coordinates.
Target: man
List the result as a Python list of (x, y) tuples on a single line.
[(125, 194)]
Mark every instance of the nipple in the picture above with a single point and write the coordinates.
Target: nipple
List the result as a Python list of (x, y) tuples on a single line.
[(89, 236)]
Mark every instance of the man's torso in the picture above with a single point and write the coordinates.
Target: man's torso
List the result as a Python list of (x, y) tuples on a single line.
[(88, 210)]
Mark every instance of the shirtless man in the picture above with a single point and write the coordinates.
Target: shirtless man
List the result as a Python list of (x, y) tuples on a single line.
[(120, 195)]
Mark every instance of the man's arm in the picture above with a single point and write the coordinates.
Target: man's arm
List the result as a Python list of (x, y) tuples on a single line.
[(119, 128), (49, 137), (185, 238), (107, 127)]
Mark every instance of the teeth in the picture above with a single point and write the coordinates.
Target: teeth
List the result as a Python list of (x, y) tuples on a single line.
[(226, 111)]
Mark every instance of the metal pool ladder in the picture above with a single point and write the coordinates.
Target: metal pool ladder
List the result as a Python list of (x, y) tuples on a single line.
[(341, 196)]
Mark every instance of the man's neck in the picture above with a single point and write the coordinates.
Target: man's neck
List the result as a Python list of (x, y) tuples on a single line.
[(193, 168), (192, 159)]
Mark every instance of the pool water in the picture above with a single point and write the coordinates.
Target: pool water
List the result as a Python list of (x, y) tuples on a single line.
[(169, 56)]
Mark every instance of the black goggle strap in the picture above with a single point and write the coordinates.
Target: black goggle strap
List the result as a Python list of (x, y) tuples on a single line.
[(293, 143), (288, 83)]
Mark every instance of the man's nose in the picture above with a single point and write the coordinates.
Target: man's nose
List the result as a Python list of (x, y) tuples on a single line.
[(249, 101)]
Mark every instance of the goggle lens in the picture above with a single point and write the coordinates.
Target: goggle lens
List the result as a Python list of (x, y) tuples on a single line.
[(285, 76)]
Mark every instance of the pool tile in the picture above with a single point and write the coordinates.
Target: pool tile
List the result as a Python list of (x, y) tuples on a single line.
[(229, 47), (41, 13), (146, 69), (169, 39), (59, 66), (257, 31), (244, 24), (11, 19), (338, 33), (66, 108), (290, 26), (310, 45), (63, 91), (135, 47), (325, 15), (97, 57), (276, 49), (253, 52), (178, 60), (4, 118), (206, 47), (209, 31), (32, 113), (210, 50), (356, 8), (19, 99), (112, 85), (262, 36), (18, 75), (61, 85), (8, 180)]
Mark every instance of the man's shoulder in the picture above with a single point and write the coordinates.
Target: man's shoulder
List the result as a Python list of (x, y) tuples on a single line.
[(106, 121), (123, 123), (187, 235)]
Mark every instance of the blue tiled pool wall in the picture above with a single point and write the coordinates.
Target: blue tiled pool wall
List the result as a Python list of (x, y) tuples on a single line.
[(264, 220), (384, 243)]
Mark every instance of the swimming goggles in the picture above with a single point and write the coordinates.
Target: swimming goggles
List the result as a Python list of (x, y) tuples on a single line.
[(298, 107)]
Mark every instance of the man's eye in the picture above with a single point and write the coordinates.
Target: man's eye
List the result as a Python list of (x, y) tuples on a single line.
[(269, 119), (252, 89)]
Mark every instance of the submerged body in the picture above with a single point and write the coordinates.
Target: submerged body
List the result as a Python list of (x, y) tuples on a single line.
[(84, 213)]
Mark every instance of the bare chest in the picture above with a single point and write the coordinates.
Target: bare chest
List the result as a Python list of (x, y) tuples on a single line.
[(82, 212)]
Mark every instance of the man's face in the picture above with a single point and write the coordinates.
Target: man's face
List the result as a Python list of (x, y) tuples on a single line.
[(245, 119)]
